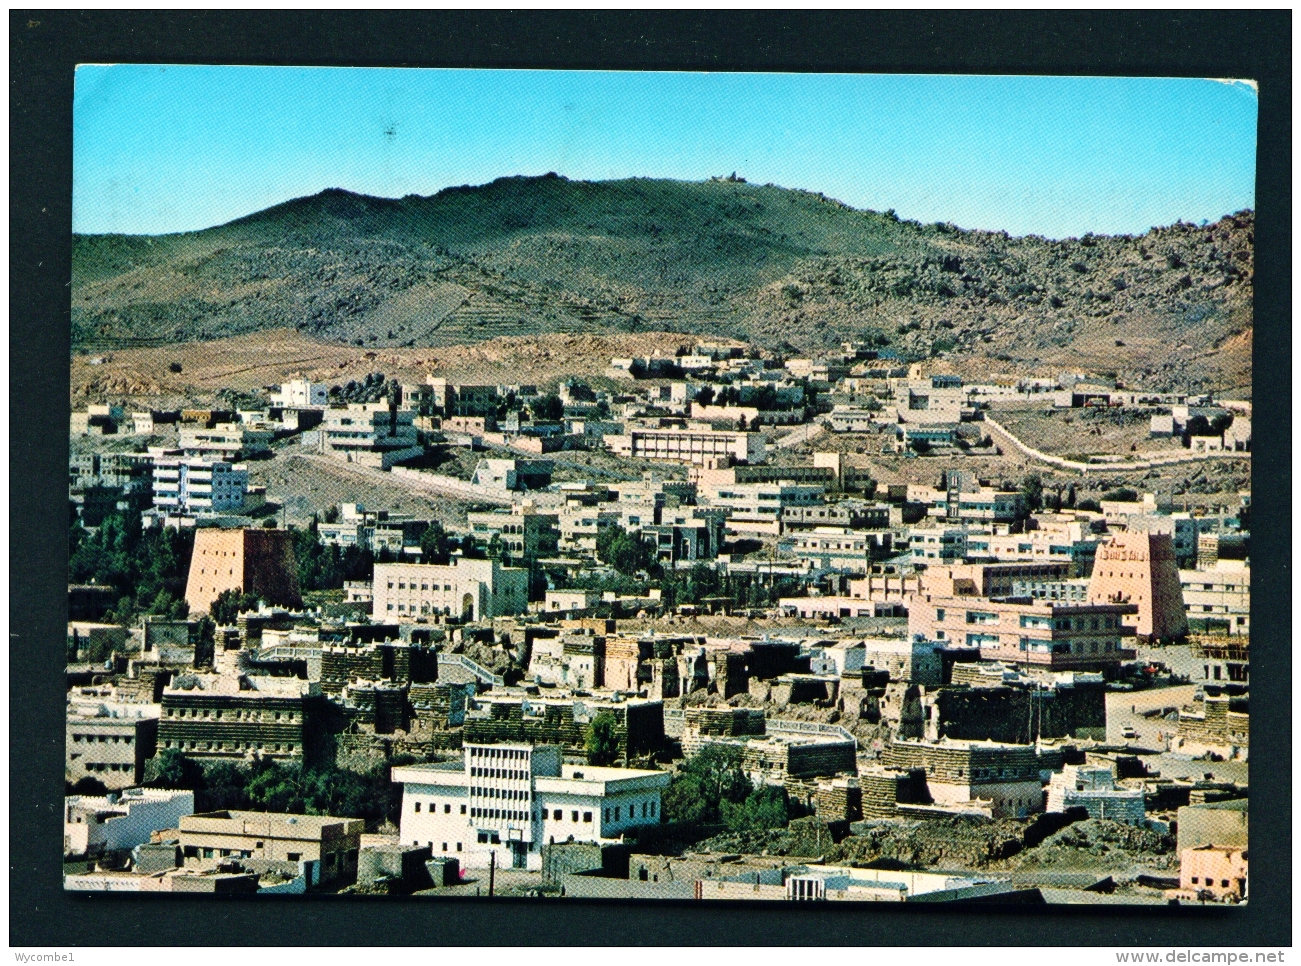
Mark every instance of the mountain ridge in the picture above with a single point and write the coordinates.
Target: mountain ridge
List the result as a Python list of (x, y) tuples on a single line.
[(780, 267)]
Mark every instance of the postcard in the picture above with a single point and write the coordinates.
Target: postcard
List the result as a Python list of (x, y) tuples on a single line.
[(660, 485)]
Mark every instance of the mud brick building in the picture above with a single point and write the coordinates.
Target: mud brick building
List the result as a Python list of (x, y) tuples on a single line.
[(395, 661), (1004, 775), (1219, 723), (440, 706), (252, 561), (236, 716), (1016, 714), (777, 757), (702, 725), (882, 790), (495, 718), (1140, 569)]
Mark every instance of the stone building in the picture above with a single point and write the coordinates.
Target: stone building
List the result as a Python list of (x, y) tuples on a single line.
[(1139, 568), (564, 721), (1219, 724), (236, 716), (1093, 787), (251, 561), (1005, 776)]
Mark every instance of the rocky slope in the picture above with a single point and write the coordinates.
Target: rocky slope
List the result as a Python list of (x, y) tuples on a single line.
[(522, 256)]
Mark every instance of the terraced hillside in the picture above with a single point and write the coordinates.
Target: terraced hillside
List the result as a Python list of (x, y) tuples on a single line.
[(523, 256)]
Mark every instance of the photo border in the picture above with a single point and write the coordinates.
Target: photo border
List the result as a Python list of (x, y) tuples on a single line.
[(44, 48)]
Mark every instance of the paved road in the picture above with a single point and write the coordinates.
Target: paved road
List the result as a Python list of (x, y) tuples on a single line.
[(1119, 462), (1124, 709)]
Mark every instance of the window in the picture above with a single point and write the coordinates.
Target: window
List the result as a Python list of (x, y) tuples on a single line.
[(447, 809), (606, 815), (557, 815), (587, 816), (417, 806), (616, 813), (573, 817), (462, 812), (458, 846), (652, 809), (444, 846)]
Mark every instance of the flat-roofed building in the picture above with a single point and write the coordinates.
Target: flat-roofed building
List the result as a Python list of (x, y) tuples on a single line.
[(1093, 787), (1004, 776), (197, 484), (690, 444), (330, 841), (525, 531), (225, 441), (511, 800), (465, 588), (109, 741), (235, 716), (254, 560), (301, 394), (1139, 569), (839, 548), (1218, 599), (378, 435), (94, 824), (1022, 630), (764, 501)]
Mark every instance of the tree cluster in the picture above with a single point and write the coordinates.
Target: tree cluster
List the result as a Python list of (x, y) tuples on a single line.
[(286, 787), (712, 788), (147, 568), (322, 567)]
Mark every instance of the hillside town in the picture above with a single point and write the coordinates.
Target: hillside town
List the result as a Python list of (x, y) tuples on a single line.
[(725, 624)]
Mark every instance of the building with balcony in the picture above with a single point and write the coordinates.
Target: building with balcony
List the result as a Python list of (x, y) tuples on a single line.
[(188, 484), (378, 435), (510, 800)]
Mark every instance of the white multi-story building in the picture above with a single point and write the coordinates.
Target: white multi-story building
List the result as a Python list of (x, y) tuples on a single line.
[(301, 394), (473, 589), (120, 820), (689, 444), (1094, 787), (193, 484), (764, 501), (512, 799), (372, 434), (1219, 598), (840, 548), (226, 441)]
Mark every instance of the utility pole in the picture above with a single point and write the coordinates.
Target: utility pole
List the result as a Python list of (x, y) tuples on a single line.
[(492, 872)]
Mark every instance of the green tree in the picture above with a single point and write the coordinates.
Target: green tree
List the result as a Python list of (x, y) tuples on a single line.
[(435, 545), (602, 743), (698, 789), (765, 807), (622, 550), (1032, 488), (547, 408), (230, 604), (171, 769)]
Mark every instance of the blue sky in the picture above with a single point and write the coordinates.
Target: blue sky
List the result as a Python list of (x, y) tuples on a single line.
[(174, 148)]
